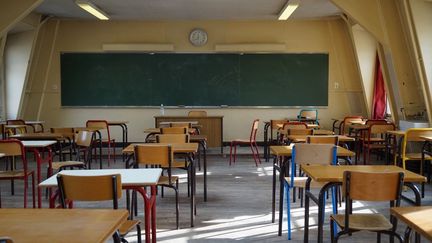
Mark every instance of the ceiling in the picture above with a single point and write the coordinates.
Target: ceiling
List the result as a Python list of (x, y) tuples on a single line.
[(189, 9)]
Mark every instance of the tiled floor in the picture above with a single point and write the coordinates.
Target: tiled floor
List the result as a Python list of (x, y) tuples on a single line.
[(238, 207)]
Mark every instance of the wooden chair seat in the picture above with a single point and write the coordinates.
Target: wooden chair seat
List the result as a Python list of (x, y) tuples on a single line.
[(300, 182), (128, 226), (416, 156), (63, 164), (373, 222), (241, 140), (180, 164), (13, 174), (164, 180)]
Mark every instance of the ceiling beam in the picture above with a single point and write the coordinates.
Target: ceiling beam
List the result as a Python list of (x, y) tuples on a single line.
[(12, 12)]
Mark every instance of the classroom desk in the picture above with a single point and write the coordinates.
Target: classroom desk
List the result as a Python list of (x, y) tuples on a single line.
[(153, 131), (212, 127), (14, 128), (202, 141), (283, 168), (176, 148), (38, 147), (2, 155), (35, 124), (417, 218), (132, 179), (123, 126), (333, 175), (55, 225)]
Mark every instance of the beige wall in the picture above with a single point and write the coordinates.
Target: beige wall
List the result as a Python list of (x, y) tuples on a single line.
[(365, 47), (323, 36)]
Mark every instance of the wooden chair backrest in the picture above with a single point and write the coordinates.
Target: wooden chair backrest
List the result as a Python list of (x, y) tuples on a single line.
[(294, 125), (12, 147), (183, 124), (15, 122), (381, 128), (197, 113), (68, 132), (370, 122), (309, 114), (172, 138), (174, 130), (90, 188), (254, 130), (99, 124), (344, 129), (299, 131), (308, 153), (153, 154), (414, 135), (84, 138), (277, 124), (323, 139), (367, 186)]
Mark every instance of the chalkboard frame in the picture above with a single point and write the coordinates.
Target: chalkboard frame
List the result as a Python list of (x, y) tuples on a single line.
[(198, 106)]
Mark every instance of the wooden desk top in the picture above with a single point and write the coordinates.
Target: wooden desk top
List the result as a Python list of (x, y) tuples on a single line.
[(397, 133), (129, 177), (197, 138), (178, 122), (287, 151), (329, 173), (323, 132), (2, 155), (188, 117), (157, 130), (65, 225), (417, 218), (38, 144), (426, 138), (358, 122), (302, 138), (90, 129), (38, 136), (14, 126), (176, 147), (117, 122)]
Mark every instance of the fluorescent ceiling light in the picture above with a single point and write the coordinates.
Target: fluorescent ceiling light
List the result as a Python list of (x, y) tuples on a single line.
[(91, 8), (288, 9)]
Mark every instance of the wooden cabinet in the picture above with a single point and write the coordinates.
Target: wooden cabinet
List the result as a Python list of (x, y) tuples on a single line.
[(211, 126)]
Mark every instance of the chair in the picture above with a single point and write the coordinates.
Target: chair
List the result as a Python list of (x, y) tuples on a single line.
[(160, 156), (364, 186), (84, 141), (67, 145), (95, 188), (197, 113), (344, 125), (5, 239), (308, 115), (16, 122), (304, 153), (251, 142), (323, 139), (411, 148), (375, 139), (14, 148), (290, 125), (185, 164), (103, 124)]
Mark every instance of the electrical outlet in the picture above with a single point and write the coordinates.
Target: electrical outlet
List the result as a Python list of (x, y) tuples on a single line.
[(336, 85)]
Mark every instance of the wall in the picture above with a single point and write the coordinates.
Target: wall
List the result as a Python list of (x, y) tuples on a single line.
[(365, 47), (17, 53), (323, 36)]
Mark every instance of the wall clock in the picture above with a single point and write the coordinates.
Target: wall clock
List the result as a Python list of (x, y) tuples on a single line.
[(198, 37)]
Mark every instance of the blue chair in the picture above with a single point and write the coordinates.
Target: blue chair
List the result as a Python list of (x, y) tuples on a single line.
[(311, 154), (308, 115)]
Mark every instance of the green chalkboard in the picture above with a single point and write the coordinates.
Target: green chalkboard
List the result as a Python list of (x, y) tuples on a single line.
[(125, 79)]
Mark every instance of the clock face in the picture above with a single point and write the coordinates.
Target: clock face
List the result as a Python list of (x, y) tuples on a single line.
[(198, 37)]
